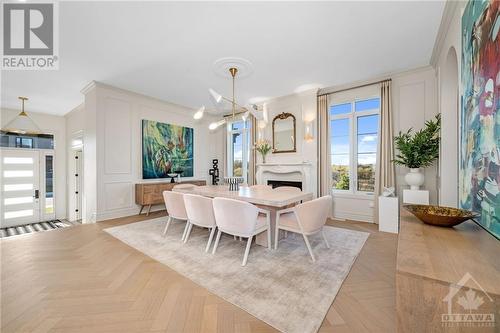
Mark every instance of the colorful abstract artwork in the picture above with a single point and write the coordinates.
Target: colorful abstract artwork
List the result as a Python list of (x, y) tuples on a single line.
[(166, 149), (480, 116)]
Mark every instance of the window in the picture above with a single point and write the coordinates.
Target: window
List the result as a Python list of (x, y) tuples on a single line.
[(238, 149), (353, 145), (24, 142)]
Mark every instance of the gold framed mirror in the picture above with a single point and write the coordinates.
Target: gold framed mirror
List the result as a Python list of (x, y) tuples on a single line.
[(284, 133)]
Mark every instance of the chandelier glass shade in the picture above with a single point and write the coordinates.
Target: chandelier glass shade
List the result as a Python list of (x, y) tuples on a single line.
[(22, 123)]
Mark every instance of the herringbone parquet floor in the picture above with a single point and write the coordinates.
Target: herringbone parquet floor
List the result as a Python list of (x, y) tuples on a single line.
[(80, 279)]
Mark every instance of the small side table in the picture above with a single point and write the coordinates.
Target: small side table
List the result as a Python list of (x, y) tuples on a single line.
[(388, 214), (417, 197)]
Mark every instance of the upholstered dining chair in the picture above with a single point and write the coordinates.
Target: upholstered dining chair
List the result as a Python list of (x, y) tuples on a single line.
[(174, 202), (287, 189), (307, 218), (200, 212), (261, 187), (185, 186), (242, 219)]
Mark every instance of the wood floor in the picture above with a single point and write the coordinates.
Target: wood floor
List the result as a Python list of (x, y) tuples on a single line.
[(80, 279)]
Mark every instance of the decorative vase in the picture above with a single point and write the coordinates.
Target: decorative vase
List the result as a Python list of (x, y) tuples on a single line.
[(414, 178), (263, 159)]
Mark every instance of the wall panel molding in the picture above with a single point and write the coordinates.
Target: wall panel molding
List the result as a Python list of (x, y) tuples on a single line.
[(117, 137)]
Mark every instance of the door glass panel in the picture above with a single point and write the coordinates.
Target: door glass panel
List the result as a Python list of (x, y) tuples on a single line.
[(17, 201), (367, 152), (17, 173), (17, 160), (18, 187), (18, 213), (339, 151), (49, 178), (237, 155)]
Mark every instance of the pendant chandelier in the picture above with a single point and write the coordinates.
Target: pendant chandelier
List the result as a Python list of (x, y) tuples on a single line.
[(236, 109), (22, 123)]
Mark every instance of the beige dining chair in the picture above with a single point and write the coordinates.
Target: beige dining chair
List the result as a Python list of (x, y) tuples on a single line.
[(292, 189), (261, 187), (200, 212), (307, 218), (242, 219), (185, 186), (174, 202)]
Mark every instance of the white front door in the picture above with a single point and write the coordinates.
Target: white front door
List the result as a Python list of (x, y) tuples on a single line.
[(20, 179)]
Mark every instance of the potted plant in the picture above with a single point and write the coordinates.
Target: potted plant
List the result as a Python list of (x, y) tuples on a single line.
[(418, 150), (263, 147)]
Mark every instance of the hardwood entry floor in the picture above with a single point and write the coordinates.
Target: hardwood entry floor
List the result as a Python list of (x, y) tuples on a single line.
[(81, 279)]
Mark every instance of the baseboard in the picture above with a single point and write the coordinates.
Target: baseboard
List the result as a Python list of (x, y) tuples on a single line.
[(103, 216), (353, 216)]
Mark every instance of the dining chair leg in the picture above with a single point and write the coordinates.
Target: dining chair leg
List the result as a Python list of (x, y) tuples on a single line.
[(166, 226), (324, 238), (247, 250), (269, 245), (309, 247), (212, 232), (217, 239), (190, 226), (185, 231), (276, 237)]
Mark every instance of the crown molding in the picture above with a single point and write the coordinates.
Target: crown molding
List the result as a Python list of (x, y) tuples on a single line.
[(448, 13), (88, 87)]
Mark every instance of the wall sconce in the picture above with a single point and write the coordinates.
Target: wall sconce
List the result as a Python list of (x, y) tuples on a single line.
[(309, 131)]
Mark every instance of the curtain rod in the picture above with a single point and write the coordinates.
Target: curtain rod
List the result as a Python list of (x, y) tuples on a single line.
[(355, 87)]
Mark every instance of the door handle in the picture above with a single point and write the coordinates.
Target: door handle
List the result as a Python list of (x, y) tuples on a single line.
[(37, 194)]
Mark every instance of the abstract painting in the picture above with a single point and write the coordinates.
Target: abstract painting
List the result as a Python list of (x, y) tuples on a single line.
[(166, 149), (480, 115)]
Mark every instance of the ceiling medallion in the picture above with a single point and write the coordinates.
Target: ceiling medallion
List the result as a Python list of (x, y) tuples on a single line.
[(222, 67)]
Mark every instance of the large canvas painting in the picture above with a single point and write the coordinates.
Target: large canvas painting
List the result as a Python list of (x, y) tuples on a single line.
[(166, 149), (480, 116)]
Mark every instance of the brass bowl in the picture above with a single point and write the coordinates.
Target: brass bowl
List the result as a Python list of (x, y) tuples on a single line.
[(439, 215)]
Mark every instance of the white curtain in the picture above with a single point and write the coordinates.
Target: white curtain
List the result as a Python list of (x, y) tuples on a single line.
[(385, 170), (324, 168), (252, 121)]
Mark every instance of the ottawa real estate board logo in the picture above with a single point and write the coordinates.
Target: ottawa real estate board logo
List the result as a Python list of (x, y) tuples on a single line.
[(30, 38), (468, 305)]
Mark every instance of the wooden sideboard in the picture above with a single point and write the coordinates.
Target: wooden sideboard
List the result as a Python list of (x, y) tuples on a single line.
[(430, 261), (148, 194)]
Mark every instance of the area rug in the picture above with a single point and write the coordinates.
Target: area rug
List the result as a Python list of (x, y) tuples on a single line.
[(283, 287)]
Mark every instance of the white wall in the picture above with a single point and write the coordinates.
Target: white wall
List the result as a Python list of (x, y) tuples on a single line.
[(304, 107), (414, 100), (449, 40), (52, 125), (112, 147)]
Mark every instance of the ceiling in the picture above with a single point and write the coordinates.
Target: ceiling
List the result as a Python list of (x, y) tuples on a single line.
[(167, 49)]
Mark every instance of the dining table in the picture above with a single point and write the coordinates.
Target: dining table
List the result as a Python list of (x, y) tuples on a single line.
[(265, 198)]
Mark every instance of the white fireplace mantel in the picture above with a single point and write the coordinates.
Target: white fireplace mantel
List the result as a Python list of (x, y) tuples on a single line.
[(285, 171)]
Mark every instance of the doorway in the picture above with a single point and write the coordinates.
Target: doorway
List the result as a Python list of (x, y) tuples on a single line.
[(27, 186)]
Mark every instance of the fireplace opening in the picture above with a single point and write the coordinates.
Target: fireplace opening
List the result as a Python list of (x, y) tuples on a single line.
[(278, 183)]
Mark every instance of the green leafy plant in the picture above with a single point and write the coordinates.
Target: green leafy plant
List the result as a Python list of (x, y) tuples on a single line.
[(419, 149)]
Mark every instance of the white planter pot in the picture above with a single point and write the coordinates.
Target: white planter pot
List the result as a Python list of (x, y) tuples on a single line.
[(414, 178)]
